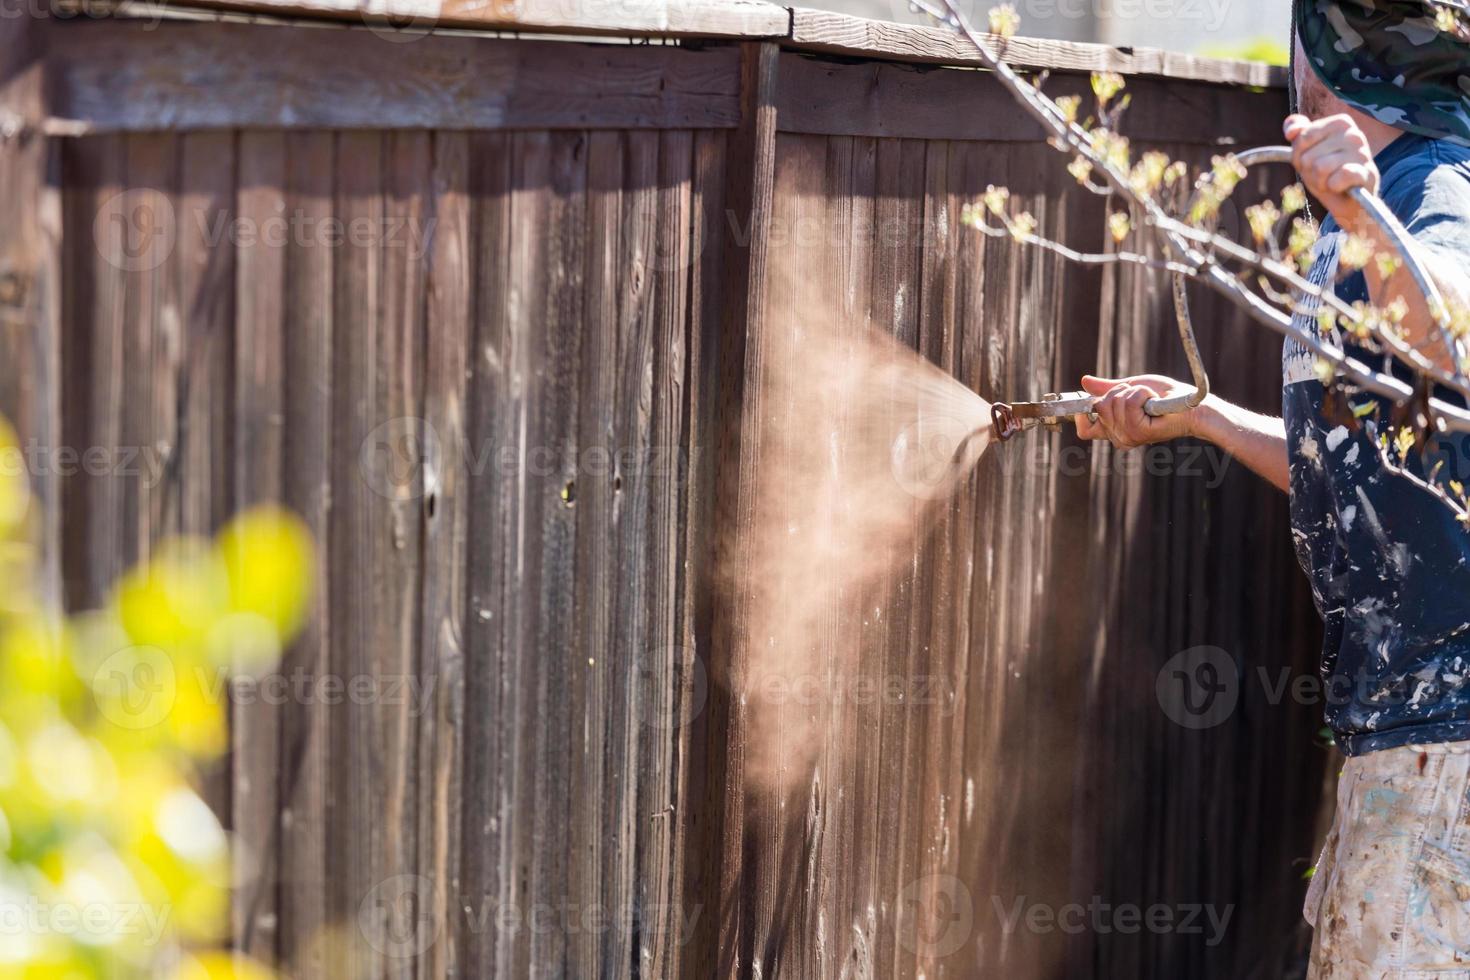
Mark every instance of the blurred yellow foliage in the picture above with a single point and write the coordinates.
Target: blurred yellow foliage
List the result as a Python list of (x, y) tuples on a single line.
[(113, 866)]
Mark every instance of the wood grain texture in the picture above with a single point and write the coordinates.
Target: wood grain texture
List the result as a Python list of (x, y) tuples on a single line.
[(664, 18), (303, 769), (259, 422), (873, 98), (513, 381), (749, 195), (440, 670), (821, 30), (32, 276), (105, 78)]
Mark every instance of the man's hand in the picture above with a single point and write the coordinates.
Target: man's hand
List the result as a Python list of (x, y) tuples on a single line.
[(1332, 157), (1258, 441), (1120, 416)]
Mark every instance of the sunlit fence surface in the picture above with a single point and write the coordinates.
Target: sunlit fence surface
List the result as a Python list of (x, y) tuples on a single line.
[(493, 317)]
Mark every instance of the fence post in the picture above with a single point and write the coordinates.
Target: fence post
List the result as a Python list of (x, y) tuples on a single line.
[(749, 191)]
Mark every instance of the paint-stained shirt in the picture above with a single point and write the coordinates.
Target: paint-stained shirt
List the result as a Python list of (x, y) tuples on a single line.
[(1389, 564)]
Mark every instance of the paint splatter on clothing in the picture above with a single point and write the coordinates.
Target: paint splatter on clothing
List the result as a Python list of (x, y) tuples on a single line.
[(1390, 897), (1389, 564)]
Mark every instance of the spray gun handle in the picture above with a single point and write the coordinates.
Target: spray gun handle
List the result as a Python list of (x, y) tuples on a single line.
[(1008, 418)]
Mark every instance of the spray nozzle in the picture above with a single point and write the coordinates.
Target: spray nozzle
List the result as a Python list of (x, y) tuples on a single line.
[(1008, 418)]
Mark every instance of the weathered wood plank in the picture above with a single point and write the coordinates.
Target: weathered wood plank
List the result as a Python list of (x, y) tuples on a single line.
[(354, 815), (703, 723), (900, 101), (666, 675), (664, 18), (897, 287), (750, 175), (106, 77), (495, 400), (31, 307), (375, 543), (400, 246), (93, 554), (307, 449), (259, 439), (205, 260), (555, 221), (150, 328), (594, 673), (440, 670), (821, 30), (632, 705)]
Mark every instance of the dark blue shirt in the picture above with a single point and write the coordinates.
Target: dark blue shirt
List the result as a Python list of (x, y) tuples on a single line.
[(1389, 564)]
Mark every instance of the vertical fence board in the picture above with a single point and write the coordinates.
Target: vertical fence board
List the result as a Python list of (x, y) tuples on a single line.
[(448, 468), (669, 659), (629, 652), (259, 419), (304, 858), (93, 549), (491, 724)]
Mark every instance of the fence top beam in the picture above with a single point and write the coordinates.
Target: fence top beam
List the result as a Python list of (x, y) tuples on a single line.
[(822, 31), (734, 19), (794, 27)]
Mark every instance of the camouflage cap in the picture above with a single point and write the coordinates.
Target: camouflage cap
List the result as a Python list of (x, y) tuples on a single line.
[(1403, 62)]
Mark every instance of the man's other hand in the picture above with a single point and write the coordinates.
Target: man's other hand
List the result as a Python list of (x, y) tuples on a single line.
[(1120, 416), (1332, 156)]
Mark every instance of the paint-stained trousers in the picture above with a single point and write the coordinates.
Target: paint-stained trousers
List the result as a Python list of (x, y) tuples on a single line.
[(1390, 897)]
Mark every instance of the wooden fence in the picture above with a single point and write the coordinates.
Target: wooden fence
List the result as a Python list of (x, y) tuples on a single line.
[(492, 314)]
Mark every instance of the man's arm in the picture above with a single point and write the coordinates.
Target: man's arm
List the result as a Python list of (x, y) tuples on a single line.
[(1333, 156), (1258, 441)]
